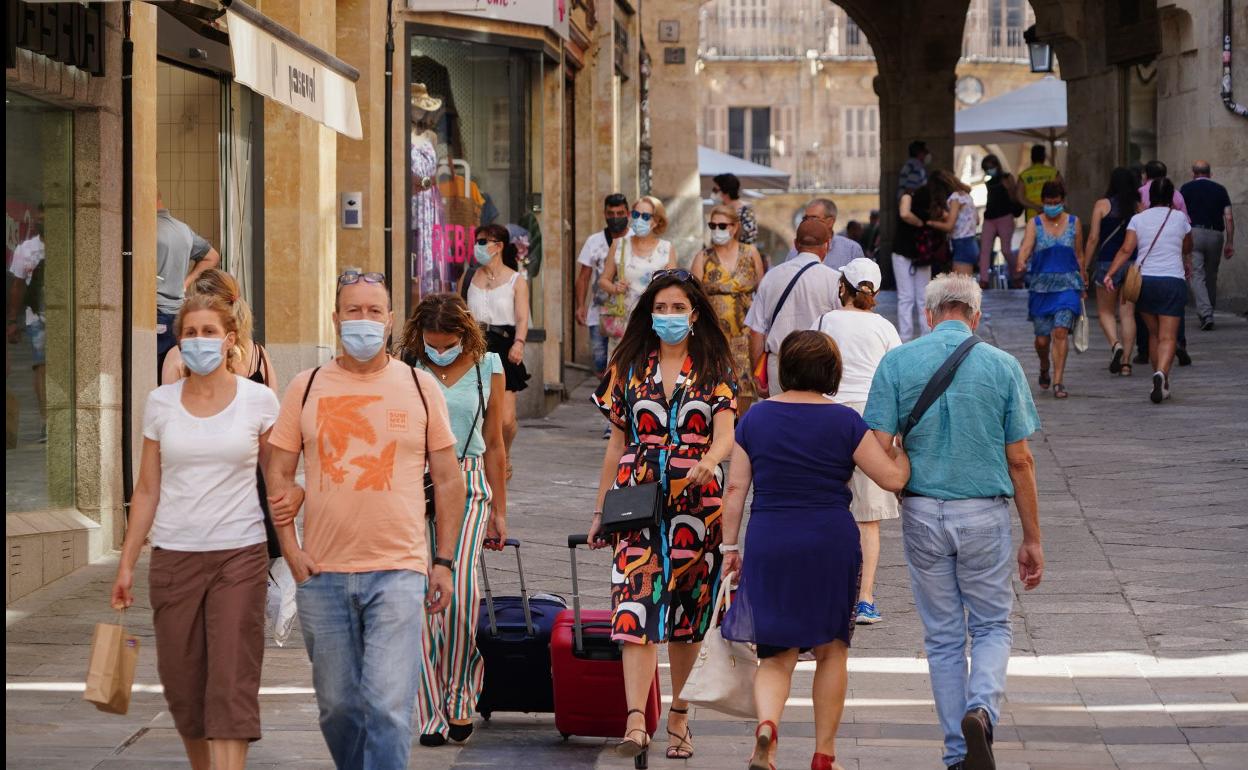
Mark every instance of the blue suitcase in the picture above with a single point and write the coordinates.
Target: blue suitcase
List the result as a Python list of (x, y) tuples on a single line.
[(513, 636)]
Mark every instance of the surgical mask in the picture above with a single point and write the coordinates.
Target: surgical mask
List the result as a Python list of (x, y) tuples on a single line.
[(481, 253), (720, 237), (362, 339), (991, 171), (444, 357), (642, 227), (202, 355), (672, 329), (1054, 210), (617, 224)]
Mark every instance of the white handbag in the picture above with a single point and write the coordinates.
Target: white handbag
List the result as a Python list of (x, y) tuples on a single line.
[(1081, 328), (722, 678)]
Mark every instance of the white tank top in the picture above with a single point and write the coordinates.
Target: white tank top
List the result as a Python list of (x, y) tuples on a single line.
[(497, 306)]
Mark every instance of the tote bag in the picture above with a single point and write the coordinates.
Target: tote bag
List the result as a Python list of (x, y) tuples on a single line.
[(1081, 328), (722, 678)]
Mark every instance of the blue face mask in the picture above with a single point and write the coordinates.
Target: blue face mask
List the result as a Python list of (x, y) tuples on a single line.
[(362, 339), (672, 329), (1054, 210), (202, 355), (482, 254), (642, 227), (445, 357)]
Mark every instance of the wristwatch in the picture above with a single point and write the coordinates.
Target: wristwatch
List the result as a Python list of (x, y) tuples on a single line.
[(439, 561)]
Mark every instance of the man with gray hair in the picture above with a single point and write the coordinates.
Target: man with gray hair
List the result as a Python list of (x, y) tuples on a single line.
[(1213, 237), (955, 522), (841, 250)]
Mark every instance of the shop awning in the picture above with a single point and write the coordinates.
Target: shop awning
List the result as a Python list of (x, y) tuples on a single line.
[(752, 175), (1035, 112), (272, 60)]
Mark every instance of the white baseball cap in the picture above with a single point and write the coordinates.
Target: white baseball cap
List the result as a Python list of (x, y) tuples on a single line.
[(862, 270)]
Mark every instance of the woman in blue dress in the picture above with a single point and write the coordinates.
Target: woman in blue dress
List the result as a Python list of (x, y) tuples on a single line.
[(799, 578), (1053, 255)]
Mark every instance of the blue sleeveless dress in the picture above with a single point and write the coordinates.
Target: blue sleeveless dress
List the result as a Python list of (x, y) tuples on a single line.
[(1054, 280)]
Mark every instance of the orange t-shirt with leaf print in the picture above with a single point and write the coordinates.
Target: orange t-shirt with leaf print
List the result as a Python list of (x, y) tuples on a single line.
[(363, 443)]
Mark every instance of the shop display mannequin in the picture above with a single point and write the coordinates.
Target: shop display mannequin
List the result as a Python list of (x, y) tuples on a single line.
[(428, 211)]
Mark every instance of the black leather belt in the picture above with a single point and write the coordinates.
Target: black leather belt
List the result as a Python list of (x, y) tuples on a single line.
[(504, 331)]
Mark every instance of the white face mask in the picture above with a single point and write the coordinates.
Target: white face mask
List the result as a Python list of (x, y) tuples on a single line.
[(720, 237)]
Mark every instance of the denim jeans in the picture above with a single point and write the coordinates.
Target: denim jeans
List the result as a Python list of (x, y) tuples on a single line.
[(959, 556), (363, 632), (598, 346)]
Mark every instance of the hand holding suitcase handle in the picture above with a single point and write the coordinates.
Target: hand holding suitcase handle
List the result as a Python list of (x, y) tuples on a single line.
[(524, 591)]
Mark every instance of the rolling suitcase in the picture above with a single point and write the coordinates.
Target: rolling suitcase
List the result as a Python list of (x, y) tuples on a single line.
[(588, 673), (513, 636)]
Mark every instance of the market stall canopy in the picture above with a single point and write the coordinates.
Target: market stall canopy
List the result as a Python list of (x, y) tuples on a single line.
[(752, 175), (1035, 112)]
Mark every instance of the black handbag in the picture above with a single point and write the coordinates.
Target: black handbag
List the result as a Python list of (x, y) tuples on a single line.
[(639, 506), (431, 509)]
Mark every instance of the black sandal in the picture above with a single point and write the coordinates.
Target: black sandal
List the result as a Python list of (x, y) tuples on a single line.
[(1115, 365), (679, 751), (1125, 370), (1044, 379), (632, 749), (1059, 391)]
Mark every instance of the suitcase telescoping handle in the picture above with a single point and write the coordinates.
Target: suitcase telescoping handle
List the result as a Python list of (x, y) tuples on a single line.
[(573, 542), (524, 591)]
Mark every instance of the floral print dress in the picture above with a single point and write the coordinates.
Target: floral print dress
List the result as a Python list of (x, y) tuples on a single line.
[(731, 295), (663, 581)]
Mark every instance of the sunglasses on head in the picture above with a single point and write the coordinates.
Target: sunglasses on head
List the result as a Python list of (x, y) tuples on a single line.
[(355, 276), (678, 274), (809, 217), (718, 225), (642, 215)]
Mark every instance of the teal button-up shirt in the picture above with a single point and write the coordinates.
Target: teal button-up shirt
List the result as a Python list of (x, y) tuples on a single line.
[(957, 451)]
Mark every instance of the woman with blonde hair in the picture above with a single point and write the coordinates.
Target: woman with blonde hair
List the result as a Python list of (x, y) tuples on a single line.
[(630, 264), (960, 221), (252, 360), (730, 272), (204, 438), (443, 338)]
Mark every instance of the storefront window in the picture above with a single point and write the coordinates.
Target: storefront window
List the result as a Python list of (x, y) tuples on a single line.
[(39, 377), (473, 112)]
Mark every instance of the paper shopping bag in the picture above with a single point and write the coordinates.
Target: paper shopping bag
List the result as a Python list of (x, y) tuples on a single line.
[(110, 670)]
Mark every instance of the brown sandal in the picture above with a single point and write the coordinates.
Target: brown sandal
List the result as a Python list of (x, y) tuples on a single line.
[(1059, 390), (1124, 370)]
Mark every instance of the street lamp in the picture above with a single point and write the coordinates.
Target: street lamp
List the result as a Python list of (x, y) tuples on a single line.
[(1040, 54)]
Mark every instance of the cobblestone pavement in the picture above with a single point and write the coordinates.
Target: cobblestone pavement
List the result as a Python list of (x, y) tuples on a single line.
[(1132, 654)]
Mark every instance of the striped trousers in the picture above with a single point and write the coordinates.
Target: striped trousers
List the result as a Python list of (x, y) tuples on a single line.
[(452, 669)]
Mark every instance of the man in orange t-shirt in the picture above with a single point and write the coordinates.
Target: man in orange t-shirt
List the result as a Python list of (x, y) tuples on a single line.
[(365, 433)]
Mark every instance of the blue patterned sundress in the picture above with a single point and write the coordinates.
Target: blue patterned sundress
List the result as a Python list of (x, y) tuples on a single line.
[(1054, 280)]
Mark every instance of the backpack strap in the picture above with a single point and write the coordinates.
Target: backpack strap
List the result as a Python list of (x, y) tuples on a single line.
[(308, 388), (939, 383)]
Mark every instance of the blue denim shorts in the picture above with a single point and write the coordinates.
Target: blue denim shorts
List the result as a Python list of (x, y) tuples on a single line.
[(1162, 296), (37, 331), (1045, 324), (1102, 270), (966, 250)]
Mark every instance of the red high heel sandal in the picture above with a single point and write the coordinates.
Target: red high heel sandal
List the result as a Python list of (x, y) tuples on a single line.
[(762, 746), (822, 762)]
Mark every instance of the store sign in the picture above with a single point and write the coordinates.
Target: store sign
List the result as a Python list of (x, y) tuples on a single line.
[(69, 33), (552, 14), (273, 68)]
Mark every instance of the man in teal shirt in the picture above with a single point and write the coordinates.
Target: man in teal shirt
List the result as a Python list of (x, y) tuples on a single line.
[(968, 456)]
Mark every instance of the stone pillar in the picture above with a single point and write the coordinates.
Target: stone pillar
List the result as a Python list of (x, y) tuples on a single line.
[(673, 126), (362, 44), (300, 212)]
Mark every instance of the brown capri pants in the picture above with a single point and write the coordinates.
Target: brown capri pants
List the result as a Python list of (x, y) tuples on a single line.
[(208, 612)]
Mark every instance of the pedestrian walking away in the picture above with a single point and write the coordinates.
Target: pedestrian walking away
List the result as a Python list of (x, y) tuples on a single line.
[(203, 438), (912, 257), (960, 221), (498, 296), (443, 339), (181, 255), (1106, 234), (1164, 239), (790, 298), (862, 337), (1213, 237), (630, 265), (726, 189), (1002, 207), (800, 572), (590, 298), (841, 249), (730, 272), (670, 395), (1052, 254), (1155, 170), (367, 425), (955, 524)]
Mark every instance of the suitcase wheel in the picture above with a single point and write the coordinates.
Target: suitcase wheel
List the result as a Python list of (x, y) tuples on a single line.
[(486, 715), (566, 736)]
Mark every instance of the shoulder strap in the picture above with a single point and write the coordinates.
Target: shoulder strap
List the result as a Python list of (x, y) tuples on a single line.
[(468, 276), (480, 408), (1160, 230), (308, 388), (785, 296), (939, 383)]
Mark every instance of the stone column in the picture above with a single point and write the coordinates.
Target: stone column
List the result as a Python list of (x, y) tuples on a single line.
[(362, 44), (300, 212)]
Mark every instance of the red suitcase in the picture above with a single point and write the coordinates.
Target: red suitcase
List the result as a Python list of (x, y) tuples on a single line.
[(588, 673)]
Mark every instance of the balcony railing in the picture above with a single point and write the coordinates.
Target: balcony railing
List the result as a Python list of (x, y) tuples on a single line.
[(818, 173), (754, 34), (761, 157)]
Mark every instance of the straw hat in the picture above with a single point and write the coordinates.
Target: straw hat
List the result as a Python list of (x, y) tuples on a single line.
[(421, 99)]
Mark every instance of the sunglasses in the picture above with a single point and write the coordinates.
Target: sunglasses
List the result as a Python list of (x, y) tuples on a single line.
[(715, 191), (718, 225), (642, 215), (678, 274), (354, 276), (484, 241)]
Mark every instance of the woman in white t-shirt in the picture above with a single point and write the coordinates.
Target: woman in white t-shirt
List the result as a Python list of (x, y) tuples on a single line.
[(630, 264), (1163, 236), (197, 495), (863, 337)]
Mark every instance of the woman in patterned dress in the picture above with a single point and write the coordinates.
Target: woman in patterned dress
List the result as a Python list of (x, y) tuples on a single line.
[(730, 271), (672, 365)]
